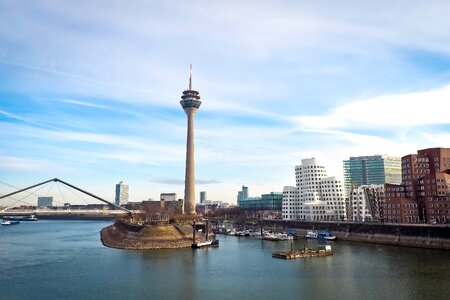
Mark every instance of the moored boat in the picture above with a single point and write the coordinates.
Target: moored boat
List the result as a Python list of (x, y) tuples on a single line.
[(210, 243), (21, 218), (325, 235), (311, 234), (10, 222), (276, 237)]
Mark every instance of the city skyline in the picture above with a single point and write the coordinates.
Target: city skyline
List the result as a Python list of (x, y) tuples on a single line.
[(91, 95)]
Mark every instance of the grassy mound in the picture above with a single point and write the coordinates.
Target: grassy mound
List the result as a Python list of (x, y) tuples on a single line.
[(150, 237)]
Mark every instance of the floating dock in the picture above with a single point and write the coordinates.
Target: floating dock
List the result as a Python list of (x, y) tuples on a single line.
[(305, 252)]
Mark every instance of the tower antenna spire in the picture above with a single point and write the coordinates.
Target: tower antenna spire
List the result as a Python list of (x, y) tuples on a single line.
[(190, 77)]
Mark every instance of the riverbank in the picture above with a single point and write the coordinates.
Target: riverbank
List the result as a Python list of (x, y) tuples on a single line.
[(408, 235), (397, 240)]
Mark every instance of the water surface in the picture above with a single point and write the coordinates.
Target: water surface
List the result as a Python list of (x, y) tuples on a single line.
[(66, 260)]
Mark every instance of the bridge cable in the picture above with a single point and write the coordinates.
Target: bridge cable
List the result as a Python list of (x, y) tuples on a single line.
[(20, 200)]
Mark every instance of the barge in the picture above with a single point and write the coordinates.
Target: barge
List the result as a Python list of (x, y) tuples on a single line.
[(304, 253)]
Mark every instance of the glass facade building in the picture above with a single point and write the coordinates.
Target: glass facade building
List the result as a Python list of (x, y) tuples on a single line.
[(272, 201), (376, 169)]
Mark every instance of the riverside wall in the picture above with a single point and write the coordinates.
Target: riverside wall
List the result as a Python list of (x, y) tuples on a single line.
[(410, 235)]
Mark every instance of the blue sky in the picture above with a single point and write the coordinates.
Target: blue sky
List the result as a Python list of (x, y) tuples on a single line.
[(90, 90)]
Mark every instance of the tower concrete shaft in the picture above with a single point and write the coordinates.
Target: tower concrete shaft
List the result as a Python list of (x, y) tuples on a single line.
[(189, 189), (190, 101)]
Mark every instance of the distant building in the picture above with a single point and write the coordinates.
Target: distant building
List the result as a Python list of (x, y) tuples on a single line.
[(121, 193), (272, 201), (375, 169), (202, 197), (45, 201), (242, 195), (168, 197)]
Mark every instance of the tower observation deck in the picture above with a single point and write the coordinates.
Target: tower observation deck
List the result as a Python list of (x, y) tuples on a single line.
[(190, 101)]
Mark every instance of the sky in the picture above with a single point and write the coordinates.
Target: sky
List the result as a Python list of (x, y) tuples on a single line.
[(90, 90)]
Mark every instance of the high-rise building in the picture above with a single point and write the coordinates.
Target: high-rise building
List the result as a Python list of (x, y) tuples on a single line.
[(45, 201), (318, 197), (190, 101), (121, 193), (243, 194), (202, 197), (375, 169)]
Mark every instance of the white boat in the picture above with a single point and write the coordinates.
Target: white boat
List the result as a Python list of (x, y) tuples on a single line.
[(310, 234), (21, 218), (206, 244), (276, 237), (9, 222)]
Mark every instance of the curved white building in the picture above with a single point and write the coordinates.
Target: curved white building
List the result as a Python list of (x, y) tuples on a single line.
[(318, 197), (291, 205), (333, 193)]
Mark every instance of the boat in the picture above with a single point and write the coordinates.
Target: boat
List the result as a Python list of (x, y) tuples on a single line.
[(209, 243), (325, 235), (276, 237), (10, 222), (310, 234), (324, 250), (21, 218)]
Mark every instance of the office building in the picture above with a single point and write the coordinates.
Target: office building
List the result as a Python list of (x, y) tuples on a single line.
[(202, 197), (45, 201), (121, 193), (243, 194), (271, 201), (376, 169)]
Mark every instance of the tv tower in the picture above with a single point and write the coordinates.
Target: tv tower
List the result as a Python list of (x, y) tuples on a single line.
[(190, 101)]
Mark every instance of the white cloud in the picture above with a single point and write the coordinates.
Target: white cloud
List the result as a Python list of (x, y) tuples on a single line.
[(82, 103), (385, 112), (26, 164)]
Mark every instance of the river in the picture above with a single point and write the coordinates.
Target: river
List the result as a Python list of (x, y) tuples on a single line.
[(66, 260)]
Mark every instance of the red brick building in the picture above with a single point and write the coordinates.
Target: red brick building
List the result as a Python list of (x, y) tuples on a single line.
[(426, 181), (398, 208), (432, 184)]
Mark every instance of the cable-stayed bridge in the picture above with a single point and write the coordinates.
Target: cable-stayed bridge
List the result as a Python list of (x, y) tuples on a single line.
[(11, 205)]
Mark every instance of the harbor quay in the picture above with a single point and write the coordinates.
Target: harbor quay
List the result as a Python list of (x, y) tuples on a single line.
[(409, 235), (67, 214)]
